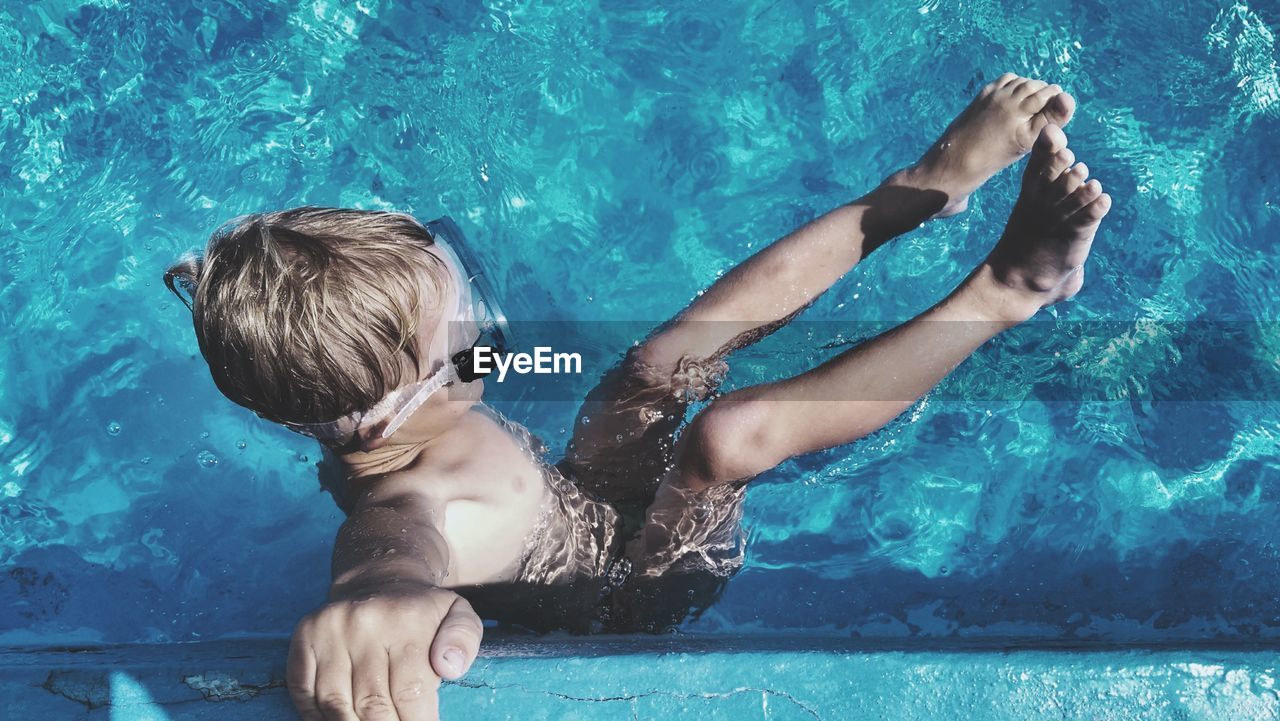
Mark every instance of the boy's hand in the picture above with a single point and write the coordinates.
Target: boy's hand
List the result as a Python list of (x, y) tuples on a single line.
[(380, 656)]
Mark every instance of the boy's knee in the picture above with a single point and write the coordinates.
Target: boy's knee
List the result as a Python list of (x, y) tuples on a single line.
[(731, 440)]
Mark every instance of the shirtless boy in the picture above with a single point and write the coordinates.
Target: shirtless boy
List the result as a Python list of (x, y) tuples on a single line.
[(354, 327)]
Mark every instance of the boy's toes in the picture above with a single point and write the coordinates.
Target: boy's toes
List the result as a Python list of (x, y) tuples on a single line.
[(1083, 196), (1056, 105), (1028, 89), (1049, 156), (1049, 106), (1000, 82), (1050, 141), (1060, 162), (1036, 101), (1059, 108), (1071, 180), (1095, 210), (1006, 79)]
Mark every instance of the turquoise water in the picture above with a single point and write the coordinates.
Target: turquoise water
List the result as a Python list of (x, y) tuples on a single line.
[(609, 162)]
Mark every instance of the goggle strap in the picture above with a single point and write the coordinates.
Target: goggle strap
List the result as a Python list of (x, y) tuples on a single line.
[(440, 379)]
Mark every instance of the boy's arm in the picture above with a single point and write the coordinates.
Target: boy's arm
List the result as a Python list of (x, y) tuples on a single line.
[(388, 538), (389, 633)]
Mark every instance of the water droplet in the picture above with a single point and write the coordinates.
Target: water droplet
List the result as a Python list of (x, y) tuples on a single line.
[(207, 459), (113, 428), (145, 460), (241, 445), (586, 420)]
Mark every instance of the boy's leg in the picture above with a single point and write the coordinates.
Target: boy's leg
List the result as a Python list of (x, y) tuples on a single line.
[(621, 453), (1039, 260)]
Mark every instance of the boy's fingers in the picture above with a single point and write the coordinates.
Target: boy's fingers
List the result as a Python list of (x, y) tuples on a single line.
[(370, 685), (457, 641), (300, 677), (333, 686), (414, 685)]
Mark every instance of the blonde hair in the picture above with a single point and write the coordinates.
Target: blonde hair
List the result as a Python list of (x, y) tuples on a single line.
[(308, 314)]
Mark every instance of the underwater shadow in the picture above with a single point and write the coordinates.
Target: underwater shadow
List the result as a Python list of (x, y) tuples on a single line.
[(640, 605)]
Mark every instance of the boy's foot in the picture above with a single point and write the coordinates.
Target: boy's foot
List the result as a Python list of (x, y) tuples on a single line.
[(997, 129), (1050, 231)]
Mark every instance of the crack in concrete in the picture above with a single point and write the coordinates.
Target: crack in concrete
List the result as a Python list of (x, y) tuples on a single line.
[(767, 692), (94, 692), (92, 695), (219, 687)]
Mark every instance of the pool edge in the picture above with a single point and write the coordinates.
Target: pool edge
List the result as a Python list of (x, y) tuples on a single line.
[(662, 677)]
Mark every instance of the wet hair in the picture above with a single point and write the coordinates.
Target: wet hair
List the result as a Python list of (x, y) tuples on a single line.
[(308, 314)]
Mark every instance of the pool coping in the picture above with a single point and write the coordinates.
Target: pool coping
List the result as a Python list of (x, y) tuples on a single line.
[(702, 677)]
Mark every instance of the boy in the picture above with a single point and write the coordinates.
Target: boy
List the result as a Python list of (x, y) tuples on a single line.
[(347, 325)]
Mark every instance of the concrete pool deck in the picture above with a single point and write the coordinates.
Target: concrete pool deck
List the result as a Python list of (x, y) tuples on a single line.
[(736, 679)]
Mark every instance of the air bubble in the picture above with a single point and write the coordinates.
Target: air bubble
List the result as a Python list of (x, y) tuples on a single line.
[(207, 459), (241, 445), (113, 428)]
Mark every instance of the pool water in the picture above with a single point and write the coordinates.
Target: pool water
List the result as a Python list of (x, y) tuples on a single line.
[(608, 161)]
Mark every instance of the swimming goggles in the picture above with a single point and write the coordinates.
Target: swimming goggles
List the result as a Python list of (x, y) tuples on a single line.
[(477, 322)]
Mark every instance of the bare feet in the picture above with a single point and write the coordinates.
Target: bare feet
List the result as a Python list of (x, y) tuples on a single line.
[(997, 129), (1050, 231)]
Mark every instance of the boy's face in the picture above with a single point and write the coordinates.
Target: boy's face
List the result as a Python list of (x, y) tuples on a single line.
[(440, 329)]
